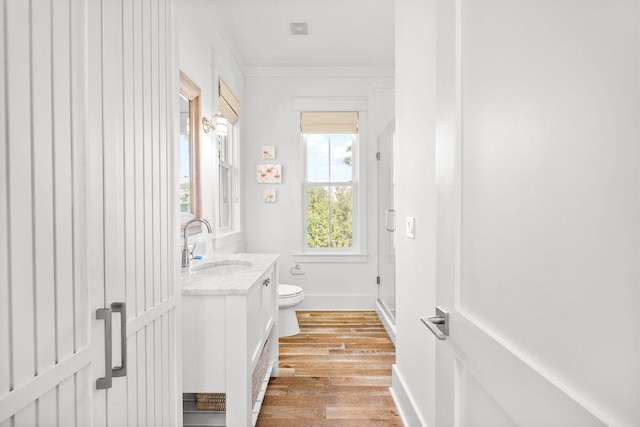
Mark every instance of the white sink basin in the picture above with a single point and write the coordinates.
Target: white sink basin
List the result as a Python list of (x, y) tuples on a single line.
[(221, 269)]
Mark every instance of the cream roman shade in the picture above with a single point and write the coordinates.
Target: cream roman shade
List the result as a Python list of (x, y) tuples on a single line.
[(329, 122), (228, 104)]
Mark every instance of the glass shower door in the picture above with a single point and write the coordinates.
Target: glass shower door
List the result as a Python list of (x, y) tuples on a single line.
[(387, 221)]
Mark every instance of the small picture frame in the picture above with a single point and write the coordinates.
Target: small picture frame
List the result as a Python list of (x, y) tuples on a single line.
[(270, 196), (269, 174), (269, 152)]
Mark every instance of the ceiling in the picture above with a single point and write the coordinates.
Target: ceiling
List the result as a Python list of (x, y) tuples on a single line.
[(343, 32)]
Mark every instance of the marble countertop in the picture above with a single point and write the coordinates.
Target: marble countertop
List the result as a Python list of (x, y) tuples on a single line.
[(200, 280)]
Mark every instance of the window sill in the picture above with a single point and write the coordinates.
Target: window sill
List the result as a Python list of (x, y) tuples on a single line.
[(331, 257)]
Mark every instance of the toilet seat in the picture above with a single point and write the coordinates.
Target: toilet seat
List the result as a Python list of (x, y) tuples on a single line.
[(288, 291)]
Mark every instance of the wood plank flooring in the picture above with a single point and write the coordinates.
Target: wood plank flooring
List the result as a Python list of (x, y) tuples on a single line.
[(336, 372)]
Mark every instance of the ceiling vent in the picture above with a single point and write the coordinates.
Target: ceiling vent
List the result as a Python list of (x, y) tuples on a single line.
[(300, 28)]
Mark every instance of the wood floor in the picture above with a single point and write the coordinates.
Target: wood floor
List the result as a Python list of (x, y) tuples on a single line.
[(336, 372)]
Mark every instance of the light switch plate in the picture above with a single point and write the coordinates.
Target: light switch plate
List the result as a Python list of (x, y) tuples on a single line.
[(411, 227)]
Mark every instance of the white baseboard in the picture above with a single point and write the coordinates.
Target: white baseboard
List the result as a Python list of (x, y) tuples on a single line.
[(337, 302), (387, 321), (404, 401)]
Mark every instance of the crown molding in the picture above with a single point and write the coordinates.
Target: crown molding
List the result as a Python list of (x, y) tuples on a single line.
[(301, 71)]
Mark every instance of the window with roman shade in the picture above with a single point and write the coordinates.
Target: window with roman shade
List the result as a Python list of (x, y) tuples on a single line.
[(330, 187), (228, 104), (227, 136)]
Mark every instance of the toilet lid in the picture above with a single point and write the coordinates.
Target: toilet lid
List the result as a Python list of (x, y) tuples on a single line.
[(286, 291)]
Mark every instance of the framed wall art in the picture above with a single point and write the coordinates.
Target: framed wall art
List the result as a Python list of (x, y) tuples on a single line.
[(269, 174), (269, 152), (270, 196)]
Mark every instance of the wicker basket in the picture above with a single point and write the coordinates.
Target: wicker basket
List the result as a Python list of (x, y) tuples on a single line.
[(218, 401), (259, 372), (211, 401)]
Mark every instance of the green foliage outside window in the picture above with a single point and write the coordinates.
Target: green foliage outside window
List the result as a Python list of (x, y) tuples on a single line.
[(329, 218)]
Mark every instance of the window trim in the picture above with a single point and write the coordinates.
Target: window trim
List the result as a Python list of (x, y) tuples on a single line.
[(230, 196)]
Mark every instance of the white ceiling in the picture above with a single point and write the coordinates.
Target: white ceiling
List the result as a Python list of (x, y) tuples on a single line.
[(343, 32)]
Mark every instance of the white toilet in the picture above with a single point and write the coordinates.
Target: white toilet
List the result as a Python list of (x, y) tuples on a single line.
[(289, 297)]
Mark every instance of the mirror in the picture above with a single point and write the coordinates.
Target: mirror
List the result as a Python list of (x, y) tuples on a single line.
[(189, 149), (186, 205)]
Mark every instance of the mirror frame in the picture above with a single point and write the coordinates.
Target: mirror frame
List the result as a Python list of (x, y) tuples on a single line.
[(192, 92)]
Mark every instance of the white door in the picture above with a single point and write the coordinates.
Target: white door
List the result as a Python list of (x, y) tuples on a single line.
[(45, 343), (87, 217), (538, 209), (131, 220)]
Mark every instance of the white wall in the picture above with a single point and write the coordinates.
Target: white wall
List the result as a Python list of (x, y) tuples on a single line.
[(414, 372), (276, 227), (203, 56)]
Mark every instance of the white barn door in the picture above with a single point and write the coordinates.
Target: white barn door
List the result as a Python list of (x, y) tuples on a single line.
[(45, 343), (131, 223), (538, 213), (87, 213)]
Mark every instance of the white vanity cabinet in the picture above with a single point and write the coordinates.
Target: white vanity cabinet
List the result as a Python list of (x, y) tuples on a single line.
[(269, 303), (230, 333), (261, 303)]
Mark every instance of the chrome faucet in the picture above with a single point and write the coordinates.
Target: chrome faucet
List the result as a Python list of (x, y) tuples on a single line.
[(187, 256)]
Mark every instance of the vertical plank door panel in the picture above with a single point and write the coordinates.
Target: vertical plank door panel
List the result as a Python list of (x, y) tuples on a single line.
[(175, 352), (172, 153), (63, 180), (67, 403), (155, 151), (78, 43), (150, 373), (132, 381), (5, 325), (158, 367), (142, 377), (114, 283), (47, 409), (147, 150), (28, 416), (166, 371), (165, 139), (20, 187), (95, 203), (44, 244), (128, 141), (84, 386), (139, 157), (112, 158)]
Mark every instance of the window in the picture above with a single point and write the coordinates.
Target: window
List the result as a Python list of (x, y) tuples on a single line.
[(226, 173), (330, 188), (227, 143)]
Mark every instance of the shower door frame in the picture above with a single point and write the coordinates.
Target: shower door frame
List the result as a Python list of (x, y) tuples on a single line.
[(385, 301)]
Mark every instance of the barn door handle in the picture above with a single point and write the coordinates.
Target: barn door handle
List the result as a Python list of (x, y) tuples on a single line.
[(121, 307), (438, 324), (105, 382), (393, 226)]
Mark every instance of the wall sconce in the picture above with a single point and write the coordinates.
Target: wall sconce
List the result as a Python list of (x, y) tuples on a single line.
[(217, 123)]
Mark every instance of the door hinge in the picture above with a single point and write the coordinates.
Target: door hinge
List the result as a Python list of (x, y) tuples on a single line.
[(378, 280), (378, 155)]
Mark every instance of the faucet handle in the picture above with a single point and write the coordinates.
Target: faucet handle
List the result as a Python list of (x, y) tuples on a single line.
[(193, 250)]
